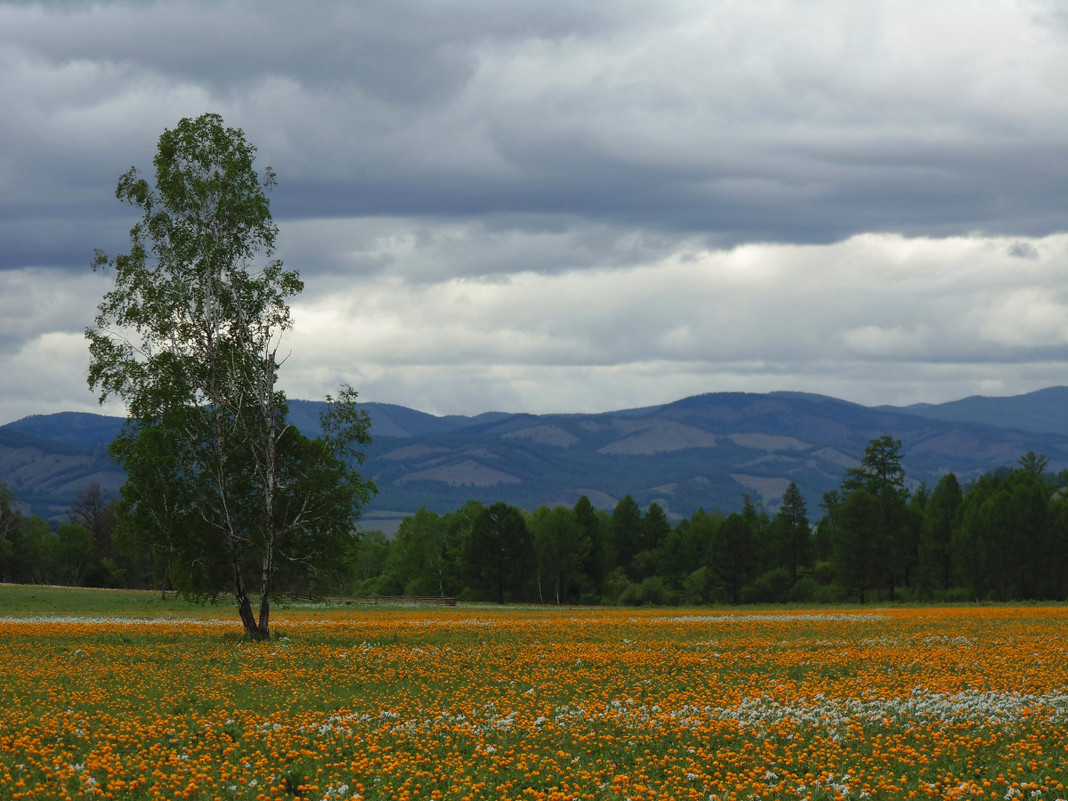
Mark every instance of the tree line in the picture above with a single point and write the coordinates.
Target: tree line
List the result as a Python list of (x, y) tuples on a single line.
[(1002, 537)]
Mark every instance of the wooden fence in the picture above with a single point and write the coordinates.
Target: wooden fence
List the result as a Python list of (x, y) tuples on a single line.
[(383, 600), (409, 600)]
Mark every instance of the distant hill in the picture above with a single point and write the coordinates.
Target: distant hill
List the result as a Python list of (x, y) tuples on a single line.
[(1044, 411), (705, 450), (390, 420), (45, 460)]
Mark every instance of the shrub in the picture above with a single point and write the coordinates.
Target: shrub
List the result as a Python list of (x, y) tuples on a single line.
[(804, 590), (769, 587), (697, 587), (652, 591)]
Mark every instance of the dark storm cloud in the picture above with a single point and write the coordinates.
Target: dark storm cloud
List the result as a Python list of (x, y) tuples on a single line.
[(591, 111), (96, 83)]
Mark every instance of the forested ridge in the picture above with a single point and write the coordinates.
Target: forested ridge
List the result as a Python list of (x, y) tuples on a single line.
[(1002, 537), (703, 451)]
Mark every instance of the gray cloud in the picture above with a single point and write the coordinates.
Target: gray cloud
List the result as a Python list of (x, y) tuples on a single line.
[(511, 197), (702, 119), (1023, 250), (431, 250)]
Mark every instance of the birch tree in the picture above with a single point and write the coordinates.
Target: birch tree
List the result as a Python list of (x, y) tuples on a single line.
[(189, 339)]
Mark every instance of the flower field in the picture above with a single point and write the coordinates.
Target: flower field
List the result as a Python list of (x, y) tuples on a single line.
[(487, 703)]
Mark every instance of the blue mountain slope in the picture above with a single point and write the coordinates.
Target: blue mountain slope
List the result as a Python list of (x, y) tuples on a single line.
[(1043, 411), (11, 439), (390, 420), (706, 450), (80, 430)]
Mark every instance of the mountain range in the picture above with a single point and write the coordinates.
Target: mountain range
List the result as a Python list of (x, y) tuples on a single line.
[(703, 451)]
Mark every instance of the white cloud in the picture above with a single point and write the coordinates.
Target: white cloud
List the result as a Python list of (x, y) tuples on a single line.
[(874, 318), (938, 311), (48, 374), (881, 342)]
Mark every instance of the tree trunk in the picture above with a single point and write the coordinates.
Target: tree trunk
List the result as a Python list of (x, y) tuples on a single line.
[(244, 607), (248, 620), (263, 631), (270, 457), (500, 578)]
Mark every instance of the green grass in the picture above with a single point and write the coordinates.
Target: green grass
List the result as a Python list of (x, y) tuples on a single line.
[(26, 600)]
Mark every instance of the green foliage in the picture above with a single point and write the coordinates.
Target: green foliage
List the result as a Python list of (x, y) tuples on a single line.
[(9, 527), (499, 558), (95, 510), (940, 517), (860, 548), (73, 554), (590, 526), (803, 590), (221, 490), (876, 541), (791, 533), (654, 528), (735, 554), (880, 470), (294, 777), (562, 547), (372, 555), (422, 556), (31, 552), (698, 587), (772, 586), (869, 526), (625, 532), (1011, 540), (651, 591)]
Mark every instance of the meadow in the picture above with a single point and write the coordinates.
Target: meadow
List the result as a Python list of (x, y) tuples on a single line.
[(130, 697)]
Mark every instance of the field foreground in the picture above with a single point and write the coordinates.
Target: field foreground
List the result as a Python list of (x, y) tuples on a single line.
[(472, 704)]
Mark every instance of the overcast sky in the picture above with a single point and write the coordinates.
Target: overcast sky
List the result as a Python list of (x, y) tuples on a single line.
[(572, 206)]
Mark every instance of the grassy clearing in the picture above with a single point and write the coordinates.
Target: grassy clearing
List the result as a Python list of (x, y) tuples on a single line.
[(24, 600), (484, 703), (34, 600)]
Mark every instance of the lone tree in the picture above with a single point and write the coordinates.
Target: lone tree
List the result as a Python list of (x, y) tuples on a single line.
[(224, 491)]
